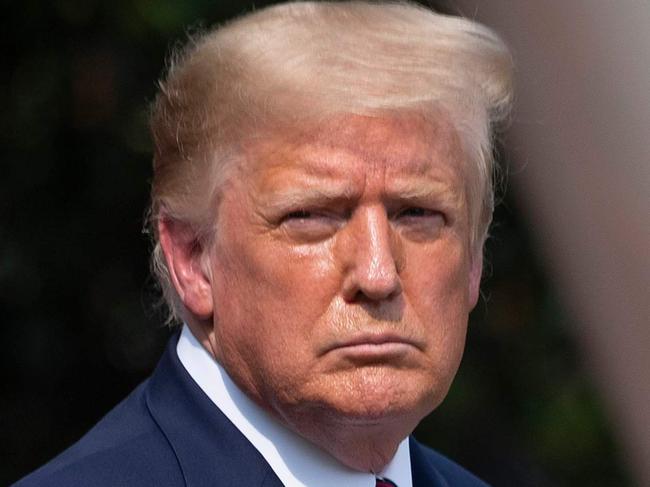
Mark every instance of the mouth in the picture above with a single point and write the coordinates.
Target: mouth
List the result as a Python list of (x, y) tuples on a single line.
[(373, 346)]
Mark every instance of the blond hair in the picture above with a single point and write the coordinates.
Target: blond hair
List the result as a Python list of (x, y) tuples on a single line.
[(301, 62)]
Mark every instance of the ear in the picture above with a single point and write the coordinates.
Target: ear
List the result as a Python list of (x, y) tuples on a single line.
[(186, 268), (475, 272)]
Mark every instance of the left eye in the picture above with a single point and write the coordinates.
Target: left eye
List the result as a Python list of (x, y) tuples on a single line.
[(420, 223), (415, 212), (418, 212)]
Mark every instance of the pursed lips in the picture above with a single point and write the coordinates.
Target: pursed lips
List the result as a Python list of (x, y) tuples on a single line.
[(369, 342)]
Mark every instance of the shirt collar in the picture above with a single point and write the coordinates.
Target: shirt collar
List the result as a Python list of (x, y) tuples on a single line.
[(295, 461)]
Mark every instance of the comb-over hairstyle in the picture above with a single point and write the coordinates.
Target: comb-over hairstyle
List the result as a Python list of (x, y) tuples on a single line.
[(296, 64)]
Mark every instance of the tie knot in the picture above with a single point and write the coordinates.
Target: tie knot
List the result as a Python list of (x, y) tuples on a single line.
[(384, 483)]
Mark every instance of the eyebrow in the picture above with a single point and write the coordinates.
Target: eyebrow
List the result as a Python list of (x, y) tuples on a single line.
[(302, 196), (419, 193), (423, 190)]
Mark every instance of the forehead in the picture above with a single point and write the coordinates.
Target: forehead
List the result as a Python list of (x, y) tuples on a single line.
[(354, 148)]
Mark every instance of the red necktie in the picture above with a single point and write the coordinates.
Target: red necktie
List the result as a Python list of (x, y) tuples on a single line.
[(385, 483)]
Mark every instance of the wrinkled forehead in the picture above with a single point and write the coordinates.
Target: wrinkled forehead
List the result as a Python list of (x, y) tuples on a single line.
[(401, 144)]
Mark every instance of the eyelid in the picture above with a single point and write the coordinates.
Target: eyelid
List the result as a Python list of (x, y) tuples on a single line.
[(297, 214), (313, 213), (425, 211), (307, 226), (304, 214), (418, 209)]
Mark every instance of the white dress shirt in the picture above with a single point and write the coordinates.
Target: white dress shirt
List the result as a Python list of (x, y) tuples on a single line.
[(295, 461)]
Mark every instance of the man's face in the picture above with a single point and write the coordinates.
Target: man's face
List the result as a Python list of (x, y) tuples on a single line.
[(341, 271)]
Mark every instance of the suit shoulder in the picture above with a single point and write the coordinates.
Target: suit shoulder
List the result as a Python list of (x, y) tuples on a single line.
[(453, 474), (125, 448)]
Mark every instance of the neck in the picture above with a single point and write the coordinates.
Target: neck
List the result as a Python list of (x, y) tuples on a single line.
[(362, 446)]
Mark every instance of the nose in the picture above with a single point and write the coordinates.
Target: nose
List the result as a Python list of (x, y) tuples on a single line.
[(373, 256)]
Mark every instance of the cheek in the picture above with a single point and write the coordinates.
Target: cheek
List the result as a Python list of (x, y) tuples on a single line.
[(297, 282), (437, 292), (439, 278), (282, 291)]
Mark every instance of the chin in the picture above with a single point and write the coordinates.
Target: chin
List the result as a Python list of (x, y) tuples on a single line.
[(373, 396)]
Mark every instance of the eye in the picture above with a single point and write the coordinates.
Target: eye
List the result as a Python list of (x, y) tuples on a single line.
[(308, 225), (419, 222), (298, 215), (417, 212)]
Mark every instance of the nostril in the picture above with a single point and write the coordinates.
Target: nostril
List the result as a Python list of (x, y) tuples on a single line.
[(362, 288), (379, 287), (375, 296)]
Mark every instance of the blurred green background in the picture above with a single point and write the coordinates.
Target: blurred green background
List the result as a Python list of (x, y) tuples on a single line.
[(79, 329)]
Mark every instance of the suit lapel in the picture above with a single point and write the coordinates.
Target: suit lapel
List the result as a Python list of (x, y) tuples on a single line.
[(211, 451), (423, 471)]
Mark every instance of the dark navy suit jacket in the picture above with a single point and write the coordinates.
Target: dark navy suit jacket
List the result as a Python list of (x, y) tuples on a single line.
[(168, 433)]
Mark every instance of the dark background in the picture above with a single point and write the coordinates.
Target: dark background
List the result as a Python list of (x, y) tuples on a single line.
[(79, 325)]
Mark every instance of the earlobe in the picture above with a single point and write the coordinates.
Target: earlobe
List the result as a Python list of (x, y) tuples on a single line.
[(186, 270), (474, 282)]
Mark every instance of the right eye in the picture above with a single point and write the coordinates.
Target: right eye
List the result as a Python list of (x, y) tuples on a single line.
[(298, 215), (309, 226)]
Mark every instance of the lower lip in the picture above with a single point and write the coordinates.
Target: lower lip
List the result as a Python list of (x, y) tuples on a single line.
[(375, 350)]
